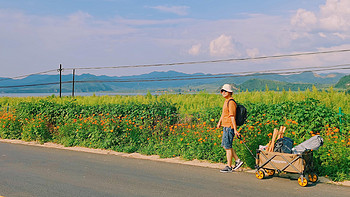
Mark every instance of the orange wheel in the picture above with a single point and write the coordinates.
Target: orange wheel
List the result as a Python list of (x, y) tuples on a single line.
[(313, 177), (260, 174), (302, 181), (270, 172)]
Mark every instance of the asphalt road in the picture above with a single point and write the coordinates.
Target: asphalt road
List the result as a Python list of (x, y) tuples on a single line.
[(36, 171)]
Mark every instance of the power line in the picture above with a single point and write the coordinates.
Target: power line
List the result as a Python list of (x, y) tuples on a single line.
[(275, 71), (31, 85), (185, 63), (177, 78), (23, 76), (213, 61), (202, 77)]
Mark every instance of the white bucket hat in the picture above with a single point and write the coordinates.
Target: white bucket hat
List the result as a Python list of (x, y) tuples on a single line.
[(227, 88)]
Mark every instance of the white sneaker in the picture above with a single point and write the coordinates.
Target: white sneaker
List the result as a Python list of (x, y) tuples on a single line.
[(238, 165)]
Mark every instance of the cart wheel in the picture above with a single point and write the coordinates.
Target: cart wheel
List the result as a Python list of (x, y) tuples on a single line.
[(270, 172), (260, 174), (313, 177), (302, 183)]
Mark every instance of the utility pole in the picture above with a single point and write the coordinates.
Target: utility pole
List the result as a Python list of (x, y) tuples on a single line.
[(73, 83), (60, 70)]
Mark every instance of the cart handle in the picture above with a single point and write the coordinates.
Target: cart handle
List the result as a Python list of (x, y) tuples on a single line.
[(240, 138)]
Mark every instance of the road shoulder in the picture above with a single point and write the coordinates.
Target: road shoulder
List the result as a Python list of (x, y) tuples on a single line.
[(176, 160)]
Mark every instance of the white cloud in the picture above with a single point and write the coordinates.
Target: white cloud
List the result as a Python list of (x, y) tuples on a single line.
[(333, 16), (178, 10), (322, 60), (336, 7), (84, 40), (79, 17), (223, 46), (342, 36), (322, 35), (144, 22), (304, 19), (253, 52), (195, 49)]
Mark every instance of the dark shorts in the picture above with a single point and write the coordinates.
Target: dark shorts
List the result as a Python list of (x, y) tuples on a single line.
[(227, 137)]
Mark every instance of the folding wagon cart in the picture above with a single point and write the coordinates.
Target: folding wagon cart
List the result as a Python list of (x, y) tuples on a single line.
[(267, 163)]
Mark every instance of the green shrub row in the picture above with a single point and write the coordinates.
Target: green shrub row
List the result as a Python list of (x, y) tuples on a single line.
[(156, 128)]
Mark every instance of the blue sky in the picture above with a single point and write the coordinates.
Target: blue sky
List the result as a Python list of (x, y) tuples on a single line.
[(38, 35)]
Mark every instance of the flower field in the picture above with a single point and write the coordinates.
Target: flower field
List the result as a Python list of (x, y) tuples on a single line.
[(184, 125)]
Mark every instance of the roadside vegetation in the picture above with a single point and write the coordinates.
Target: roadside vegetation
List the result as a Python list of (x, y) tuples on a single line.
[(184, 125)]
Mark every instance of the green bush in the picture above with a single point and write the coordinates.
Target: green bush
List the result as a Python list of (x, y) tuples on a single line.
[(10, 126), (36, 129), (158, 127)]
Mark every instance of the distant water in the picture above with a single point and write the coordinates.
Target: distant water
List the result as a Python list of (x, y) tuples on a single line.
[(67, 94)]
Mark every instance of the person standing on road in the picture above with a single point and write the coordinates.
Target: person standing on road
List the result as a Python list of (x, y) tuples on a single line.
[(228, 122)]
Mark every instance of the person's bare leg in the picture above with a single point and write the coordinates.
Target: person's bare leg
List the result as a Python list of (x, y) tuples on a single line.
[(234, 155), (229, 155)]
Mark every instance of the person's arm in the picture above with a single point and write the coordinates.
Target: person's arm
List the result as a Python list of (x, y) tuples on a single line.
[(233, 120), (219, 123)]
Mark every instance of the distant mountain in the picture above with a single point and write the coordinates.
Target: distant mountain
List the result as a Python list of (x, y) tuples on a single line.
[(170, 80), (304, 77), (264, 84), (344, 82)]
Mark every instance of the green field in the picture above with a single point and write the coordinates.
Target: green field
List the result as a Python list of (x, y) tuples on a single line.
[(183, 125)]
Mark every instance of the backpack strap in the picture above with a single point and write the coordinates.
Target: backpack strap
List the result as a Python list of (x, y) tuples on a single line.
[(231, 100), (228, 102)]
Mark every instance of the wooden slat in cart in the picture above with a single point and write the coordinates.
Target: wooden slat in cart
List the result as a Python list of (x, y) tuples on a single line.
[(267, 163)]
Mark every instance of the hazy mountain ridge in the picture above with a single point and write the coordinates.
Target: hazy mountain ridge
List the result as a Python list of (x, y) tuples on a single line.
[(163, 80), (344, 82)]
